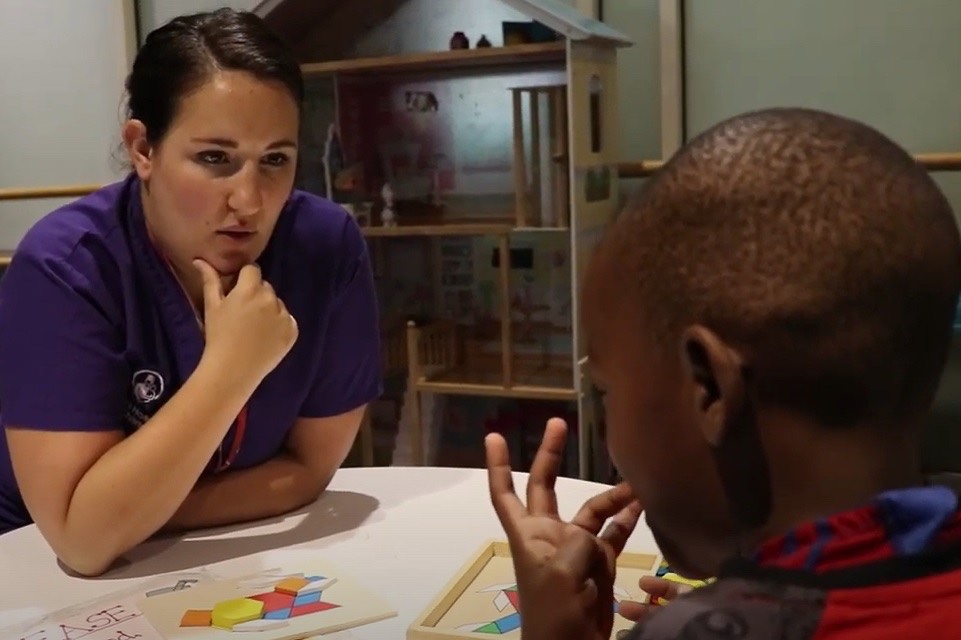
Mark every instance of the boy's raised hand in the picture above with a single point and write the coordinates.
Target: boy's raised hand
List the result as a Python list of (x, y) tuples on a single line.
[(564, 570)]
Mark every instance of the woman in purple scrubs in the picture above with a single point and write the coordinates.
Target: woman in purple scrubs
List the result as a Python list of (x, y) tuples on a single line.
[(196, 345)]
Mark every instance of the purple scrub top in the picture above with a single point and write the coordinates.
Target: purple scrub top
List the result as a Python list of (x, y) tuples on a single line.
[(96, 333)]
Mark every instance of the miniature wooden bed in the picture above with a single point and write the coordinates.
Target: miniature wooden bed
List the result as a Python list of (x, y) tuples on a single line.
[(481, 598)]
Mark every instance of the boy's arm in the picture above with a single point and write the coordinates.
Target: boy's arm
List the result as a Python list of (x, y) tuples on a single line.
[(735, 609)]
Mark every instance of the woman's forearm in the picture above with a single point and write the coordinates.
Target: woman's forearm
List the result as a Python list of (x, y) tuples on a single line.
[(278, 486), (136, 486)]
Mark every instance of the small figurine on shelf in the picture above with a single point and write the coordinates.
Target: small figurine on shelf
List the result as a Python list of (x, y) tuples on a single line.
[(459, 41), (387, 217), (483, 42)]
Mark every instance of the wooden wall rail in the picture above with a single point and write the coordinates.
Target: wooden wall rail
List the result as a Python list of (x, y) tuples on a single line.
[(34, 193), (930, 161), (637, 169)]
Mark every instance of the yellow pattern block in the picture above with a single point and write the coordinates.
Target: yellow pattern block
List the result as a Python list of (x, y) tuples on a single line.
[(687, 585), (228, 613)]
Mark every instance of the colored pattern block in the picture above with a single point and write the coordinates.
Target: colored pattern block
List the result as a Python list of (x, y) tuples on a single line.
[(509, 623), (196, 618), (500, 626), (315, 607), (229, 613), (507, 596), (291, 585), (307, 598), (316, 585), (279, 614), (291, 597), (275, 600), (260, 624), (685, 584)]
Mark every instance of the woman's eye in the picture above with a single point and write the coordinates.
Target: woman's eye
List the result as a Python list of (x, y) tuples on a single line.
[(212, 157), (276, 159)]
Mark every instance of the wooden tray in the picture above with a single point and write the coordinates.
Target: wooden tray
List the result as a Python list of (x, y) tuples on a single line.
[(480, 601)]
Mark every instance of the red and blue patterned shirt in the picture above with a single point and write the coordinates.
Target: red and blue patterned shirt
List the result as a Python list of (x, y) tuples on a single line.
[(889, 570)]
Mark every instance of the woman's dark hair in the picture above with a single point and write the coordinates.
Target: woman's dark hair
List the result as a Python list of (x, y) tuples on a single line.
[(182, 54)]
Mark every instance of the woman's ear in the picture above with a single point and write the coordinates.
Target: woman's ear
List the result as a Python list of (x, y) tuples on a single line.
[(715, 373), (138, 147)]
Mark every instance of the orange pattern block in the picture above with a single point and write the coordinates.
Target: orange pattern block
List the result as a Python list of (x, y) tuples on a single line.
[(196, 618), (291, 585)]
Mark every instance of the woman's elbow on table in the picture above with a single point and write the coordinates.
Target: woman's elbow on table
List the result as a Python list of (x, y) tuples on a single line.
[(84, 550), (52, 469), (86, 560)]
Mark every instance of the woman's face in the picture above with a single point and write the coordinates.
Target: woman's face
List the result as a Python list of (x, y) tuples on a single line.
[(217, 181)]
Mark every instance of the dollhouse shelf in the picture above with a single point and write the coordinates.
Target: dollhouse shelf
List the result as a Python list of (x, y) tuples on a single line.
[(456, 227), (443, 359), (443, 60), (533, 380)]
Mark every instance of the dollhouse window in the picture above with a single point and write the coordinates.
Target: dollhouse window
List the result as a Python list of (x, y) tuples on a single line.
[(595, 113)]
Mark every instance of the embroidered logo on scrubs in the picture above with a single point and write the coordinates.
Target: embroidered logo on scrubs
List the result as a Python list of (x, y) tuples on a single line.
[(147, 386)]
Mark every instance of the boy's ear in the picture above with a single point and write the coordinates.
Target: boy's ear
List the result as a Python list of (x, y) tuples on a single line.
[(715, 372), (726, 417)]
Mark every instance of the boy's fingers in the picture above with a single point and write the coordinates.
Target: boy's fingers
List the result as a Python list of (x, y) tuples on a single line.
[(541, 498), (660, 588), (633, 611), (596, 511), (500, 482), (621, 526)]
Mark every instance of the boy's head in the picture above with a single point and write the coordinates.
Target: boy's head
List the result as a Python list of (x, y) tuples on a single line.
[(780, 294)]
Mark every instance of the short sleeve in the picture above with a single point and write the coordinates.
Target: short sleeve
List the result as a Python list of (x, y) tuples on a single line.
[(61, 356), (350, 372)]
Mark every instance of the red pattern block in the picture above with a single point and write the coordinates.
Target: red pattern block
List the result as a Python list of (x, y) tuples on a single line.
[(313, 607), (274, 601)]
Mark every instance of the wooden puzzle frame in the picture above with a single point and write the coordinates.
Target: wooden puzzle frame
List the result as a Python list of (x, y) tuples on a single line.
[(424, 626)]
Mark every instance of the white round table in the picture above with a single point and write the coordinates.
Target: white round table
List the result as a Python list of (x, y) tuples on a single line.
[(400, 531)]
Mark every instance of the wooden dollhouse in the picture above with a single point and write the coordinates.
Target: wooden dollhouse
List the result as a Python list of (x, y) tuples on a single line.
[(479, 139)]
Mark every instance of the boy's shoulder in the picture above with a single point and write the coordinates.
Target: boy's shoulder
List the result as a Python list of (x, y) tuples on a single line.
[(736, 609)]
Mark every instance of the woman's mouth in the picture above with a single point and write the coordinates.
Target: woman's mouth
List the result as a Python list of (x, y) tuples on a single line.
[(237, 235)]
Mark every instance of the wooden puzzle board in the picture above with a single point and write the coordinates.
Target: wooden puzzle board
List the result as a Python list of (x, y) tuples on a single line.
[(481, 600), (268, 603)]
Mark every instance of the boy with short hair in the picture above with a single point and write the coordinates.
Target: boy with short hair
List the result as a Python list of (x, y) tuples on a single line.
[(768, 321)]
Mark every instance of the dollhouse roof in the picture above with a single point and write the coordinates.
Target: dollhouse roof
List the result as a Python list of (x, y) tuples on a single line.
[(303, 21), (568, 21)]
